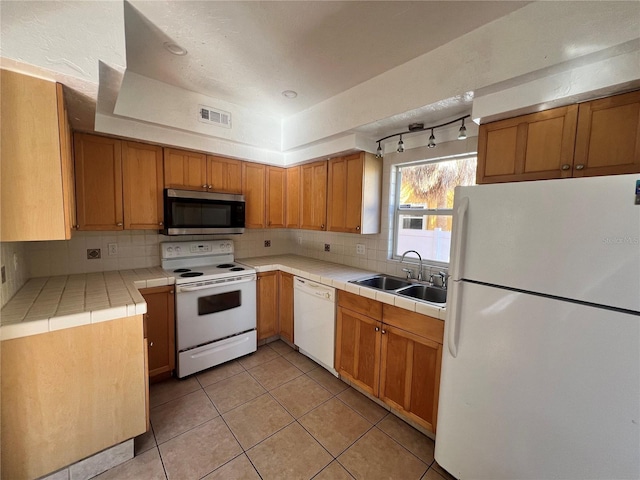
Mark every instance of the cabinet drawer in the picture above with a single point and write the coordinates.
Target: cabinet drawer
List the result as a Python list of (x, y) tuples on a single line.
[(423, 325), (365, 306)]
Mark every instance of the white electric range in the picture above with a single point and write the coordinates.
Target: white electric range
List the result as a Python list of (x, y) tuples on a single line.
[(215, 303)]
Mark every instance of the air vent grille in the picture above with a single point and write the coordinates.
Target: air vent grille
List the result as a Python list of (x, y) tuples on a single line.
[(214, 116)]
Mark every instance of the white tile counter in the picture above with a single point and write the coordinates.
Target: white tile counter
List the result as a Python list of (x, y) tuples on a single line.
[(45, 304), (338, 276)]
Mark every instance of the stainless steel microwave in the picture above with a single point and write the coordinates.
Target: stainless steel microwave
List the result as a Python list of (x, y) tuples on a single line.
[(192, 213)]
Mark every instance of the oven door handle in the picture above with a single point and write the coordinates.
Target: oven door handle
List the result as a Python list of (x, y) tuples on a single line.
[(213, 285)]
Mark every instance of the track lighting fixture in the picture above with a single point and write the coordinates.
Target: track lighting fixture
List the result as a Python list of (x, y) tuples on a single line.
[(432, 140), (419, 127), (379, 151), (462, 133)]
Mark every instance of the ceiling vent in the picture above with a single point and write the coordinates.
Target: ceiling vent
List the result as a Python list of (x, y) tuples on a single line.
[(214, 116)]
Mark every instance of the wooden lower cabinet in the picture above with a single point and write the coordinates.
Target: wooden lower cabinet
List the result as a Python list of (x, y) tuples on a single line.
[(410, 374), (286, 305), (391, 353), (267, 293), (161, 340), (358, 349)]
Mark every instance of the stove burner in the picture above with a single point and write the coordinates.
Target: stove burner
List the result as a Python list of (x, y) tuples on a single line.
[(236, 269), (182, 270), (191, 274), (226, 265)]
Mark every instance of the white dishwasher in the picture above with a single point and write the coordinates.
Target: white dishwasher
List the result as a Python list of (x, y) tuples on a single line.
[(314, 320)]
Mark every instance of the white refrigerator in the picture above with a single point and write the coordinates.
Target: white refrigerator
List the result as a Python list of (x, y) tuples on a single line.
[(541, 363)]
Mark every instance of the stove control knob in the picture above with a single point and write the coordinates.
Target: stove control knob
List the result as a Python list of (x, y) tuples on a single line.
[(178, 250), (170, 250)]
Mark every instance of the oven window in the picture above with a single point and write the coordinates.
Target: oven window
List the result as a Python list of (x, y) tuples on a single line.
[(218, 302)]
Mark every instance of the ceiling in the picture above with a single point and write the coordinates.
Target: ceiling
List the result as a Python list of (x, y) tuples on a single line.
[(248, 53)]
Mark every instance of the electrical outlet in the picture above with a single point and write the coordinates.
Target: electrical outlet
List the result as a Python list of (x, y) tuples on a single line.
[(327, 247), (267, 243), (113, 249), (4, 274), (299, 239), (93, 253), (360, 249)]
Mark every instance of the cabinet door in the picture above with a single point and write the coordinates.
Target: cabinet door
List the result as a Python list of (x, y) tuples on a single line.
[(531, 147), (410, 374), (608, 138), (142, 181), (293, 198), (253, 179), (267, 305), (276, 197), (225, 174), (313, 199), (185, 170), (98, 167), (286, 306), (160, 330), (358, 349), (337, 195), (68, 190)]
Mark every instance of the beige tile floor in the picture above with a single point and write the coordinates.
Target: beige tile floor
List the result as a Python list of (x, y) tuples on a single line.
[(274, 414)]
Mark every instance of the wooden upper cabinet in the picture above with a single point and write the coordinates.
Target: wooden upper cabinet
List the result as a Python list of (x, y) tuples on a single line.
[(608, 138), (276, 197), (293, 198), (267, 309), (354, 193), (142, 180), (530, 147), (253, 188), (313, 196), (224, 174), (37, 193), (286, 306), (185, 170), (98, 166)]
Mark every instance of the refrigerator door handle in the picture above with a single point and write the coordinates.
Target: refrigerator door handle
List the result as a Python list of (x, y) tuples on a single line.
[(453, 317), (457, 256)]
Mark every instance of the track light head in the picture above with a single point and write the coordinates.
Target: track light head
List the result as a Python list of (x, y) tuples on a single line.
[(462, 133), (379, 151), (432, 140), (400, 145)]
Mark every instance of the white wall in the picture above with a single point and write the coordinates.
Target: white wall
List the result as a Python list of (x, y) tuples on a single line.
[(16, 278)]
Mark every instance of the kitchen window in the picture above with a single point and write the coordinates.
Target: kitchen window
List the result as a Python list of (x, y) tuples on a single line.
[(424, 205)]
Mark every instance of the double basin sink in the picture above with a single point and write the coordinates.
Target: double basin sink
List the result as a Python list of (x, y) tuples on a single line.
[(405, 288)]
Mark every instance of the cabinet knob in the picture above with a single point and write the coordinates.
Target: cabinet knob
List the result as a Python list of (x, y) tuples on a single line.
[(119, 224), (565, 166), (322, 227), (210, 187), (384, 331), (205, 185), (160, 223), (377, 329), (76, 227), (358, 228), (579, 167), (171, 292), (151, 344)]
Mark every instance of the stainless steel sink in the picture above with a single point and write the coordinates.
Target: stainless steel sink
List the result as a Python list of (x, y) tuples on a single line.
[(383, 282), (410, 289), (426, 293)]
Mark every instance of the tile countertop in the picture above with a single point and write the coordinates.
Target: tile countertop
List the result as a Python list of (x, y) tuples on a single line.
[(46, 304), (338, 276)]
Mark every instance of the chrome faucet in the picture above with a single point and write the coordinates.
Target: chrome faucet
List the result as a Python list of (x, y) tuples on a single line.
[(419, 258)]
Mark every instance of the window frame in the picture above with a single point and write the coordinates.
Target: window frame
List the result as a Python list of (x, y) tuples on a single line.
[(397, 211)]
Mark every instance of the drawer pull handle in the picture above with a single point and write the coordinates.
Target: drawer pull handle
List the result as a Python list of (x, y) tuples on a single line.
[(565, 166), (579, 167)]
